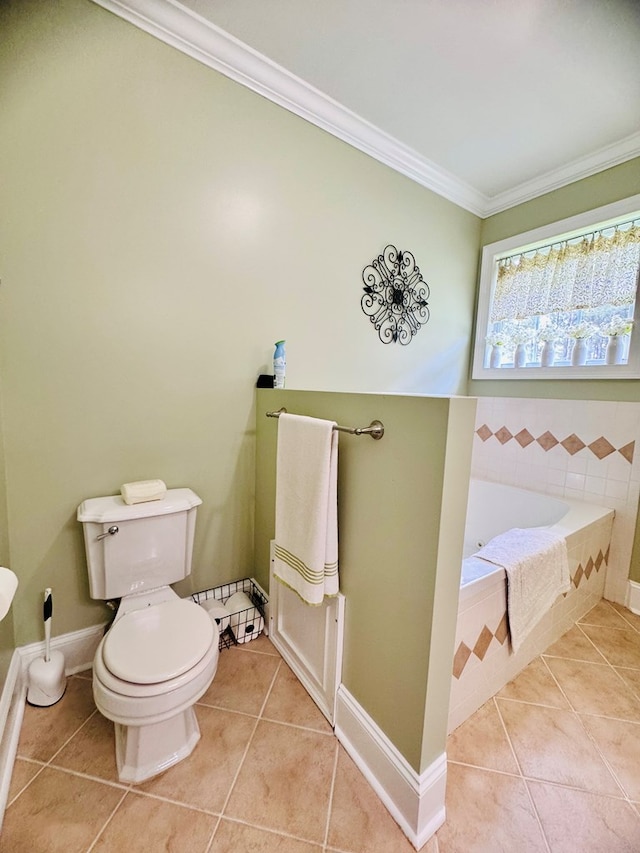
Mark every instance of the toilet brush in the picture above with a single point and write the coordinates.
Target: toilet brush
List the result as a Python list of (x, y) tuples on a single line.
[(47, 681)]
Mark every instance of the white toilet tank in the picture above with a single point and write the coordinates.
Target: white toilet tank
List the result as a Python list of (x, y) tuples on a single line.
[(138, 547)]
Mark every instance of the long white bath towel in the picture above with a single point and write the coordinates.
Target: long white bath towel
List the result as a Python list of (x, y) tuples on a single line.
[(306, 550), (537, 567)]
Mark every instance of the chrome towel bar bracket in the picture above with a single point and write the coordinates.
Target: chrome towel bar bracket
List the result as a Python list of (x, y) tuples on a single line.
[(375, 428)]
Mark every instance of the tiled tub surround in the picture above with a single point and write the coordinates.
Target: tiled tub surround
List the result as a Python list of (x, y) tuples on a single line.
[(483, 662), (582, 449)]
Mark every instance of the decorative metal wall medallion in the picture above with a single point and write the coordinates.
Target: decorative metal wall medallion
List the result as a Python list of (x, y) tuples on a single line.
[(395, 296)]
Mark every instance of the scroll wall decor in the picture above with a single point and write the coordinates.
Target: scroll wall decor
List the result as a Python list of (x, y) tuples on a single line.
[(395, 296)]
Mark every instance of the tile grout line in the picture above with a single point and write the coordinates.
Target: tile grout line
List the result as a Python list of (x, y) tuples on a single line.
[(299, 727), (634, 690), (522, 776), (213, 835), (630, 624), (525, 778), (280, 833), (67, 741), (107, 822), (126, 786), (250, 741), (601, 755), (628, 687), (485, 769), (506, 734), (623, 794), (331, 793), (25, 786)]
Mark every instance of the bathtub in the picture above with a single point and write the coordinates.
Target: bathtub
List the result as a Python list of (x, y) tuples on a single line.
[(483, 663)]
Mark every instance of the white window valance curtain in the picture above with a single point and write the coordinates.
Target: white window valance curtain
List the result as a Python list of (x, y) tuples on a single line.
[(600, 269)]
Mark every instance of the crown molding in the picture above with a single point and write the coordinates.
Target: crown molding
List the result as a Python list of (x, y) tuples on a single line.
[(597, 161), (176, 25), (198, 38)]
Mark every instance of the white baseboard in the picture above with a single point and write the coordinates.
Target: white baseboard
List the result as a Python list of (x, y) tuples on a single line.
[(633, 597), (78, 648), (415, 801), (11, 713)]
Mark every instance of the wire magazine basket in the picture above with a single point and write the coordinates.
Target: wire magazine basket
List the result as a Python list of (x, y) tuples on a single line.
[(241, 626)]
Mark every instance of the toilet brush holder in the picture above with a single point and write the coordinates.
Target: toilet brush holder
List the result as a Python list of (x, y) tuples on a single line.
[(47, 681)]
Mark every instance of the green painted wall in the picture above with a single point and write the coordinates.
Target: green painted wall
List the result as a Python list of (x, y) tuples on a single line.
[(400, 549), (161, 227), (7, 643)]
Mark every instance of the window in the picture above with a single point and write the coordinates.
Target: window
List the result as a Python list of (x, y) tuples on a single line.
[(560, 302)]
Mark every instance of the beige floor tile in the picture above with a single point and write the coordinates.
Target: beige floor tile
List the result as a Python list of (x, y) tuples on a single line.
[(143, 824), (619, 742), (261, 644), (86, 673), (242, 681), (289, 702), (551, 745), (535, 684), (594, 688), (23, 772), (621, 647), (603, 614), (58, 813), (632, 618), (359, 822), (631, 678), (233, 837), (204, 779), (578, 821), (45, 730), (481, 740), (91, 750), (488, 812), (285, 781), (575, 645)]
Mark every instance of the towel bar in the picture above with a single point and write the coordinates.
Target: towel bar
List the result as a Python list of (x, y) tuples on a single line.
[(375, 428)]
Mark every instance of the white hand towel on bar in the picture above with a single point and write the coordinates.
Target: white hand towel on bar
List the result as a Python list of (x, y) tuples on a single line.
[(537, 567), (306, 551)]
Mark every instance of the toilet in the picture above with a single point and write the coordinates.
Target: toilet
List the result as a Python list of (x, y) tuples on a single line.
[(161, 652)]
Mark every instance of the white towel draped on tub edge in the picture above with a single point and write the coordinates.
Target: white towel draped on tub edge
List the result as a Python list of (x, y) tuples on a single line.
[(536, 564), (306, 542)]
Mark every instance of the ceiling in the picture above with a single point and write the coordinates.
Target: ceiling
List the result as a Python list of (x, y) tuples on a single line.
[(489, 102)]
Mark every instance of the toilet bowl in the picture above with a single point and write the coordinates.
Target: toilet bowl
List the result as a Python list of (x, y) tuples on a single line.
[(161, 653), (151, 667)]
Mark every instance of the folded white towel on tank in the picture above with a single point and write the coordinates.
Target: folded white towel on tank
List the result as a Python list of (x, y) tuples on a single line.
[(142, 491)]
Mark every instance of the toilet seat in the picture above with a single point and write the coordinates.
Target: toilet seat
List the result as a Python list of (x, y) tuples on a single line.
[(157, 644)]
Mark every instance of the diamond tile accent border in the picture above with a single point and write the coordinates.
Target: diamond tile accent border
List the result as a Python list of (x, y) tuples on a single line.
[(547, 440), (572, 444), (486, 635), (503, 435), (463, 653), (481, 646), (524, 438), (601, 447), (627, 451)]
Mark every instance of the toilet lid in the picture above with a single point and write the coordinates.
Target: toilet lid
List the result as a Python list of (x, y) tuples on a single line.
[(158, 643)]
